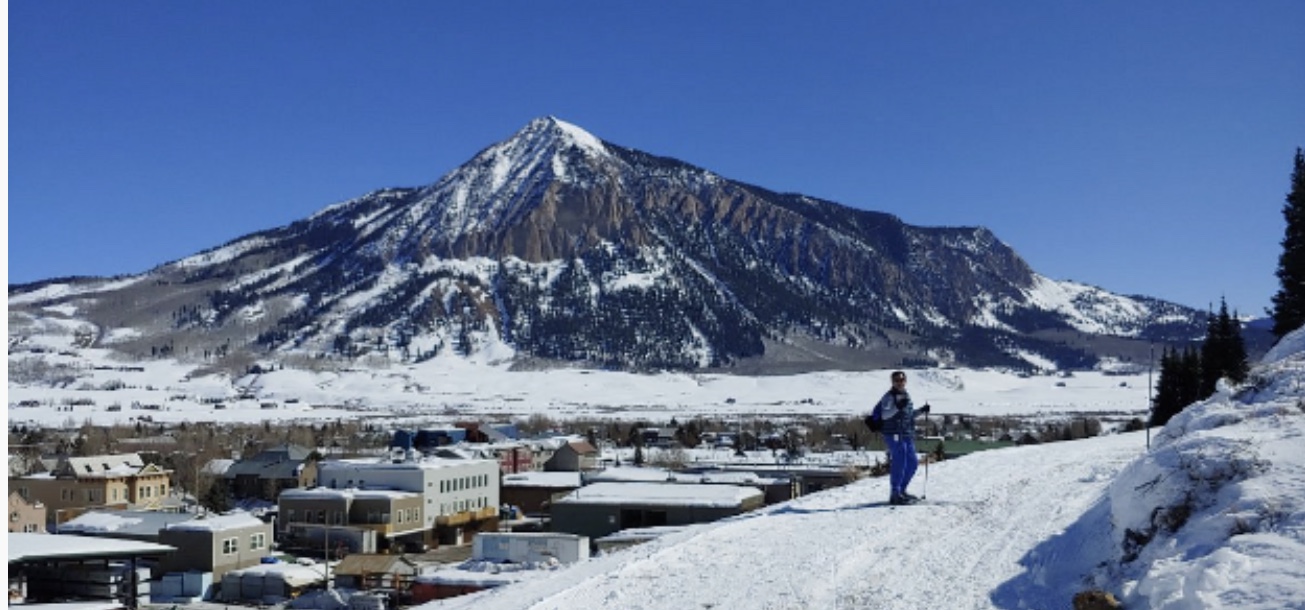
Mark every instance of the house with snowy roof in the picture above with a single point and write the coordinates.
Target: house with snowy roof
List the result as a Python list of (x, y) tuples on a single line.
[(534, 492), (576, 455), (264, 475), (204, 543), (216, 543), (75, 484)]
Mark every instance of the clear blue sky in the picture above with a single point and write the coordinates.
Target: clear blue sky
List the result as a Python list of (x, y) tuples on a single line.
[(1144, 147)]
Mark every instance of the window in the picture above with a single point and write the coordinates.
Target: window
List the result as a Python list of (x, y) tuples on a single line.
[(230, 546), (257, 541), (13, 516), (290, 514)]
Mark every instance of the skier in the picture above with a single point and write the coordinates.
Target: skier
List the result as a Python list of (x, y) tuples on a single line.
[(894, 417)]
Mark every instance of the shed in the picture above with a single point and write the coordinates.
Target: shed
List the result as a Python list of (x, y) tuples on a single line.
[(364, 571)]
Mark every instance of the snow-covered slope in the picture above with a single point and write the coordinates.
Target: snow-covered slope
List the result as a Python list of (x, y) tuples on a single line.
[(556, 246), (1016, 528)]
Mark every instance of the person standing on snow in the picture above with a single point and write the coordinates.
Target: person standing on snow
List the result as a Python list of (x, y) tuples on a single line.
[(894, 417)]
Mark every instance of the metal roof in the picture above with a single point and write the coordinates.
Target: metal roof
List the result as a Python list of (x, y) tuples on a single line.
[(36, 547)]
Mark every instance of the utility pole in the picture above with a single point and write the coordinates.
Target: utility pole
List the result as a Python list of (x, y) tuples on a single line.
[(326, 555), (1150, 402)]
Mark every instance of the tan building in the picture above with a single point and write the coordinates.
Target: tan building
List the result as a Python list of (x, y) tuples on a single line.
[(574, 456), (351, 520), (24, 516), (78, 483), (216, 544)]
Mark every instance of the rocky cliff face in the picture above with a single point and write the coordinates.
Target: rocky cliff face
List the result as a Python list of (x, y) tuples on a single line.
[(554, 245)]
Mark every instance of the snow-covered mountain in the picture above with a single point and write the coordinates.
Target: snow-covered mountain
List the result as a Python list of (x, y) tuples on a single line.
[(554, 245)]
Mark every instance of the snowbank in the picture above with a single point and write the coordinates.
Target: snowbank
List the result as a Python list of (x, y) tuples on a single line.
[(1213, 516)]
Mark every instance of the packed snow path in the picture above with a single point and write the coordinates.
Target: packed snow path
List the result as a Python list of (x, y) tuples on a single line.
[(1013, 528)]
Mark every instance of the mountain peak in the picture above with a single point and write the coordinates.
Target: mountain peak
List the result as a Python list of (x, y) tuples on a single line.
[(552, 132)]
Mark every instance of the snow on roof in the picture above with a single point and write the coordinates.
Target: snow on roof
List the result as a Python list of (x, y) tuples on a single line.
[(630, 474), (487, 574), (542, 479), (24, 547), (219, 523), (98, 521), (293, 574), (427, 462), (661, 494), (626, 474), (347, 493)]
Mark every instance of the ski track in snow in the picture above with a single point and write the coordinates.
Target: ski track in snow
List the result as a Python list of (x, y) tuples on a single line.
[(985, 527)]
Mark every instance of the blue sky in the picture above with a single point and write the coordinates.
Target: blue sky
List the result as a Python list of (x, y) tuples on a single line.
[(1142, 147)]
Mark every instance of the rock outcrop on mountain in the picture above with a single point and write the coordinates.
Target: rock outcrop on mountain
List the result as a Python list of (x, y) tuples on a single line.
[(557, 247)]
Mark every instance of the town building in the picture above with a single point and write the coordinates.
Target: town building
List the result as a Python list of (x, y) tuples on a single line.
[(76, 484)]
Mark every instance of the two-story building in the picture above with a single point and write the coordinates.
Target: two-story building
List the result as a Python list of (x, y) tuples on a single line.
[(449, 497), (263, 476), (204, 543), (25, 516), (216, 543), (75, 484), (573, 456)]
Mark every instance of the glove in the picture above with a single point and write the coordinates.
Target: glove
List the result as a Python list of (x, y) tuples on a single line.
[(873, 424), (925, 409)]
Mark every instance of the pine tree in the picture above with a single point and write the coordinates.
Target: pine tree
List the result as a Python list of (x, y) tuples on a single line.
[(1179, 384), (1189, 375), (1223, 354), (1289, 304), (1165, 404)]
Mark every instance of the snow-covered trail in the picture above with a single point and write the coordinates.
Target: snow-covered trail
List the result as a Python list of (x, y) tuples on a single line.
[(1014, 528)]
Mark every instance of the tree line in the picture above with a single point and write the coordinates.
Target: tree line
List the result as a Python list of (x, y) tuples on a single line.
[(1193, 374)]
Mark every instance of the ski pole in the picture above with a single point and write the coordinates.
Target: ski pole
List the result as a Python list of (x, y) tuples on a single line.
[(924, 492)]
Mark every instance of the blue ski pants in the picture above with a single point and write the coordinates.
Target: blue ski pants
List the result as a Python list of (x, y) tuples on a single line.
[(902, 461)]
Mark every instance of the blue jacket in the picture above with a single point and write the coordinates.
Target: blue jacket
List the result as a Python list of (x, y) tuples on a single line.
[(897, 412)]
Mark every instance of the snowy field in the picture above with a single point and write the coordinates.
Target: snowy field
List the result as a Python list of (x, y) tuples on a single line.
[(1209, 517), (445, 389), (93, 385), (1218, 500)]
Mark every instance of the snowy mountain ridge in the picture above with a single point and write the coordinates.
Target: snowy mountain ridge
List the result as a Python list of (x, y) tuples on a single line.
[(556, 246)]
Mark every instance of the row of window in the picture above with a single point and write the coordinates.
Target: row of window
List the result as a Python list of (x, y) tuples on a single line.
[(231, 546), (463, 505), (313, 516), (403, 515), (461, 483), (115, 494)]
